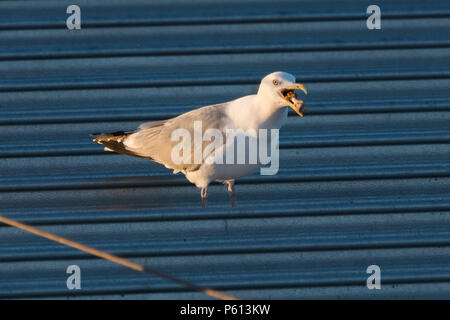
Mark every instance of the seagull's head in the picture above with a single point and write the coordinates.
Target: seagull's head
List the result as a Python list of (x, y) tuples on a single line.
[(279, 88)]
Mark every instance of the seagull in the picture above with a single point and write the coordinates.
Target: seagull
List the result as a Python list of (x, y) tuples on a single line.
[(268, 109)]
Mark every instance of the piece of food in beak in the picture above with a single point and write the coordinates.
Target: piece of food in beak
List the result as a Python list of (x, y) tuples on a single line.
[(296, 104), (290, 97)]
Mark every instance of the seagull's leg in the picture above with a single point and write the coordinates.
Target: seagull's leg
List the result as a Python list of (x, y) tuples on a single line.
[(204, 194), (232, 193)]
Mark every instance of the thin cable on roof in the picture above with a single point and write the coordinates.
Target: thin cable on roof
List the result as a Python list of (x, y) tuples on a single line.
[(113, 258)]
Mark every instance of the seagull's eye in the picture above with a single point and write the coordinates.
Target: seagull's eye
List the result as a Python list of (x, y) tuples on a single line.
[(276, 82)]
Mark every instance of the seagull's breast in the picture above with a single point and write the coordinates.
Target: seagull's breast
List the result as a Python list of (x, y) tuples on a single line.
[(246, 116)]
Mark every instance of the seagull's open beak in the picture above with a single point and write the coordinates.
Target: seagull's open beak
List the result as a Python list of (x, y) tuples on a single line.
[(288, 94)]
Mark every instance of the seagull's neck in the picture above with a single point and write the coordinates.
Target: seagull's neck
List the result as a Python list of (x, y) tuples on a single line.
[(267, 113), (255, 112)]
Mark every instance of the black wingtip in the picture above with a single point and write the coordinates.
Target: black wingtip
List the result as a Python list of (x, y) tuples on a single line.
[(119, 133)]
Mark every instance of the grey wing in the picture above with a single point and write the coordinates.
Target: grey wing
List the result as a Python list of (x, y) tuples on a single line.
[(152, 124), (153, 139)]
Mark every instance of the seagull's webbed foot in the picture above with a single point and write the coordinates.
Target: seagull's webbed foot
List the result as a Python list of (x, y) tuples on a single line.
[(204, 194), (232, 193)]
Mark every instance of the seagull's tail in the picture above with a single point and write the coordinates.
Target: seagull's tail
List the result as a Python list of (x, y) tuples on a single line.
[(113, 141)]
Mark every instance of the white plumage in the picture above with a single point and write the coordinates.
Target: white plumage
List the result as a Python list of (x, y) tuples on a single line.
[(265, 110)]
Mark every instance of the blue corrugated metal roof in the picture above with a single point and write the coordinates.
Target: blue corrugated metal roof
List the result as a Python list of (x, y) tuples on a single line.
[(364, 178)]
